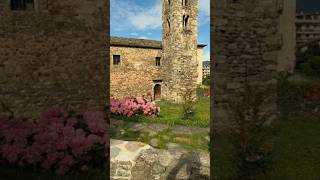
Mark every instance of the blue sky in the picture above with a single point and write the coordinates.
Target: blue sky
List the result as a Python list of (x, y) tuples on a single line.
[(142, 19)]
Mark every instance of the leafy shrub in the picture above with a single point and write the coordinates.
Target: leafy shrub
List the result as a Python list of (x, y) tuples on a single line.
[(188, 104), (206, 81), (134, 106), (250, 132), (203, 92), (308, 62), (290, 95), (315, 64), (55, 141)]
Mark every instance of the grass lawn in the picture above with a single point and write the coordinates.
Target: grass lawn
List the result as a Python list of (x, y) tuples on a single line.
[(11, 173), (171, 114), (194, 141), (296, 151)]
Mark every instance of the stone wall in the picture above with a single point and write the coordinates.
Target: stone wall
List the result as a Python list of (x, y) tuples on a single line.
[(200, 59), (54, 54), (135, 160), (287, 55), (246, 42), (136, 74), (179, 48)]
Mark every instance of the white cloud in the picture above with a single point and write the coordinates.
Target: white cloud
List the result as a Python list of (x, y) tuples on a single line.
[(204, 7), (134, 34), (204, 12), (143, 37), (126, 14), (206, 56), (148, 19)]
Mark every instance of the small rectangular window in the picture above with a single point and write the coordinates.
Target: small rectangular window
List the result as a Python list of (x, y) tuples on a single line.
[(22, 5), (116, 59), (158, 61)]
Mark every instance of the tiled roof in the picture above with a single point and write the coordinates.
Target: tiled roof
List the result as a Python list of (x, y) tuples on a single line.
[(143, 43)]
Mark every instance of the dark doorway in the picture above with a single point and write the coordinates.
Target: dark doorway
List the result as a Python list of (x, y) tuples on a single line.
[(157, 92)]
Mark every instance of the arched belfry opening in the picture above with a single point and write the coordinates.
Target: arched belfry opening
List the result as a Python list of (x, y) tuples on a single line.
[(185, 21), (157, 92)]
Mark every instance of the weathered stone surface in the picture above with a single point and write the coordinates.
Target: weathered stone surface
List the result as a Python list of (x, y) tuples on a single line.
[(154, 142), (180, 36), (137, 74), (248, 49), (154, 164), (54, 54)]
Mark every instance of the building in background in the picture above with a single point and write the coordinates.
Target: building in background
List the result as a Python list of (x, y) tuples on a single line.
[(137, 67), (307, 27), (166, 69), (205, 69)]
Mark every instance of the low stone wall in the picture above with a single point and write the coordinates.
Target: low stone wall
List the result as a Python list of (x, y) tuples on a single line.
[(135, 161)]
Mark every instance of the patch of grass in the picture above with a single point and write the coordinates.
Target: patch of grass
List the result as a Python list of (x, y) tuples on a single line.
[(296, 153), (171, 114), (297, 148), (198, 140), (13, 173)]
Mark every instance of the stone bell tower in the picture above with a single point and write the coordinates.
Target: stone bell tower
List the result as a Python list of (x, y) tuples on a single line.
[(180, 41)]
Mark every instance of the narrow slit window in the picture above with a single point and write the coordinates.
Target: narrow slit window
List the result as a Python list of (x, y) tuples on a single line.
[(18, 4), (184, 2), (185, 21), (168, 25), (21, 5), (116, 59), (158, 61)]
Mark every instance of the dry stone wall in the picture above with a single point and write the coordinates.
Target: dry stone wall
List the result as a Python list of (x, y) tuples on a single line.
[(246, 42), (54, 54)]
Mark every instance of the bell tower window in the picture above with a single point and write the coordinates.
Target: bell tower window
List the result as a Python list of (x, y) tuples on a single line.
[(184, 2), (185, 21)]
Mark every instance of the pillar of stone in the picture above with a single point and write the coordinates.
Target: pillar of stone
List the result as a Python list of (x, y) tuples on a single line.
[(246, 41), (287, 55), (180, 34)]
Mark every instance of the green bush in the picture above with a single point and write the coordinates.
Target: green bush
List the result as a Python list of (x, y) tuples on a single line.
[(188, 104), (308, 62), (206, 81), (315, 65), (250, 133), (306, 69)]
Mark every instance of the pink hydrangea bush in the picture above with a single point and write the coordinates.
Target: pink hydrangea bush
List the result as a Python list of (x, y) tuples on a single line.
[(134, 106), (55, 141)]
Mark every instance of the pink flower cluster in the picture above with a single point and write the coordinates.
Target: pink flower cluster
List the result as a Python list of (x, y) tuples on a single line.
[(55, 141), (134, 106)]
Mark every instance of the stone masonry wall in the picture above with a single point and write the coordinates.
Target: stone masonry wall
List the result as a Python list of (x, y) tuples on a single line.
[(199, 65), (135, 75), (287, 55), (53, 55), (179, 48), (246, 42)]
